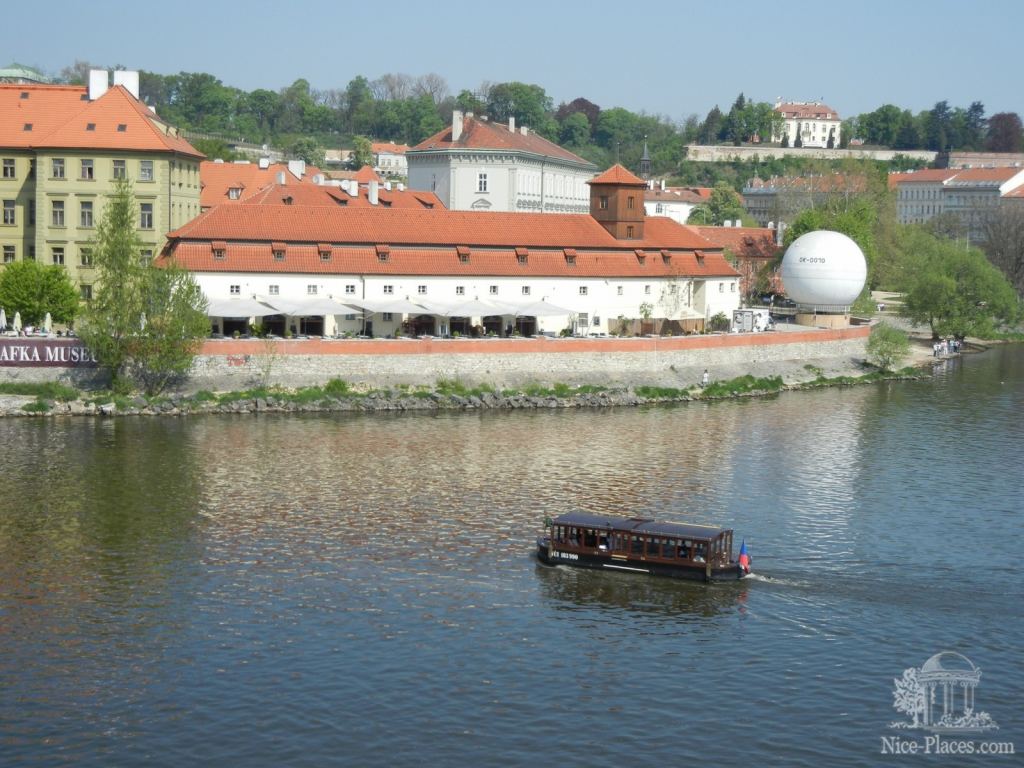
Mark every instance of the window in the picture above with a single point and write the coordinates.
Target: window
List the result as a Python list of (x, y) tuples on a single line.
[(350, 289), (8, 254), (218, 254), (120, 171), (387, 317), (57, 168), (526, 290), (145, 216), (85, 291), (234, 193), (32, 213), (88, 172), (629, 230), (659, 208), (481, 182), (421, 290), (521, 258), (732, 287), (464, 258), (629, 202), (57, 213), (460, 290), (235, 290), (278, 254), (619, 290), (145, 257), (122, 127), (31, 255), (9, 215), (647, 290), (90, 126), (583, 290), (493, 290), (721, 287), (145, 170), (311, 290), (85, 213), (602, 202), (85, 257), (9, 169), (274, 290), (389, 289), (58, 255)]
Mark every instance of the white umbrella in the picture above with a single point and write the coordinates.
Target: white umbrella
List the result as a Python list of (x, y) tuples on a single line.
[(239, 308), (17, 322), (542, 309), (3, 319), (48, 323), (395, 306)]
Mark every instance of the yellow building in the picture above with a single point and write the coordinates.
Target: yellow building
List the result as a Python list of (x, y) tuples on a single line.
[(61, 150)]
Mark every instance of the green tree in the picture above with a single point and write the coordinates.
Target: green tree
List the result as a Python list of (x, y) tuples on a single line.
[(528, 104), (887, 346), (172, 326), (306, 148), (725, 204), (216, 149), (143, 319), (956, 291), (575, 130), (33, 290), (362, 151)]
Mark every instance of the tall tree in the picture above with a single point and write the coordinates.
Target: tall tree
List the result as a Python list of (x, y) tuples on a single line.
[(1004, 242), (588, 108)]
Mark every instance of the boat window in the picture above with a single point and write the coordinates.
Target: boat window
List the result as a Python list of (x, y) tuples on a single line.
[(602, 543), (618, 542), (636, 546), (589, 538)]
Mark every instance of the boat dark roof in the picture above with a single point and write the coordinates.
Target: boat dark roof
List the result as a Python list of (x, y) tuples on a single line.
[(641, 525)]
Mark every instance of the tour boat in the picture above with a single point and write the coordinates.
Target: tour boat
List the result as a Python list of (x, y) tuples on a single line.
[(641, 545)]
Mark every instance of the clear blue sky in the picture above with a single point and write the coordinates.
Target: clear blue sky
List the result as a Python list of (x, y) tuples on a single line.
[(674, 58)]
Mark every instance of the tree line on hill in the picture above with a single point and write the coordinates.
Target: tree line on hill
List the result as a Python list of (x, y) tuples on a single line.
[(399, 107)]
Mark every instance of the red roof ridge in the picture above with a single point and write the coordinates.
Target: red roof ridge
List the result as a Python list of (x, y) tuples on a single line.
[(618, 174)]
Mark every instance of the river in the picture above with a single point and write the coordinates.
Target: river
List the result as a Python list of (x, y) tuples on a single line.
[(361, 590)]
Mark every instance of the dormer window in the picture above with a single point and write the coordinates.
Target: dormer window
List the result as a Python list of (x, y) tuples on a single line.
[(24, 94), (325, 251), (122, 127), (700, 257), (234, 193), (28, 126), (90, 126), (383, 251), (666, 257), (278, 250), (522, 256), (570, 256), (641, 257), (463, 253)]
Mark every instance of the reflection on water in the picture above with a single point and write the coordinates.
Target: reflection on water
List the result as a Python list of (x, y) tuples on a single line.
[(288, 589)]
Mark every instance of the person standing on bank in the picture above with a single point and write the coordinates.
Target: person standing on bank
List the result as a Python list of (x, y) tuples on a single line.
[(704, 379)]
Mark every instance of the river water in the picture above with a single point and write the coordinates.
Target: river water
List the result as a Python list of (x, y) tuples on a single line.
[(361, 590)]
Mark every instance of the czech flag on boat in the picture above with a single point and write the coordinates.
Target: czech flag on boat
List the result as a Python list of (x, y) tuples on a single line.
[(744, 560)]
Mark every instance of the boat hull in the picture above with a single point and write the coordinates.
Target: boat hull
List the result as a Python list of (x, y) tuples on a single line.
[(608, 562)]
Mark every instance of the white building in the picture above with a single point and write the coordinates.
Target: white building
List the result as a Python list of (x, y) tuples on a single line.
[(483, 166), (970, 194), (677, 203), (816, 124), (389, 159), (439, 272)]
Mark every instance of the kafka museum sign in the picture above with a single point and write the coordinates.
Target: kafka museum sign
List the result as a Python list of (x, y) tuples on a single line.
[(21, 352)]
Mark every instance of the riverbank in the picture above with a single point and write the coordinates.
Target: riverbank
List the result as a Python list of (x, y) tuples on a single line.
[(339, 396)]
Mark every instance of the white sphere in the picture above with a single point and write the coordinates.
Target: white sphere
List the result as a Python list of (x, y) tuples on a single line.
[(824, 268)]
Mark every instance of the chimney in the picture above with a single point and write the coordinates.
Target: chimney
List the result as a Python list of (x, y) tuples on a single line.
[(318, 179), (511, 124), (401, 187), (129, 79), (387, 186), (297, 168), (281, 178), (456, 124), (264, 163), (98, 83), (662, 185), (372, 194), (353, 188), (524, 130)]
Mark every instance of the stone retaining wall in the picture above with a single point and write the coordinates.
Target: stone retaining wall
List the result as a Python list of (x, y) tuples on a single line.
[(666, 361), (719, 154)]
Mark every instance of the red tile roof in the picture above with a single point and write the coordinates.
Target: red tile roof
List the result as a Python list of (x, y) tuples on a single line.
[(927, 175), (814, 111), (986, 174), (428, 242), (745, 242), (63, 117), (388, 147), (330, 195), (366, 174), (617, 174), (690, 195), (483, 134), (217, 178)]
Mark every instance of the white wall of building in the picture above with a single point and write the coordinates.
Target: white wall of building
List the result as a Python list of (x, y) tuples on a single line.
[(602, 300), (677, 211)]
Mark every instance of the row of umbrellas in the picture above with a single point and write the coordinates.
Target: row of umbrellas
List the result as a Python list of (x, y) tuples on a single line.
[(261, 307), (17, 324)]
